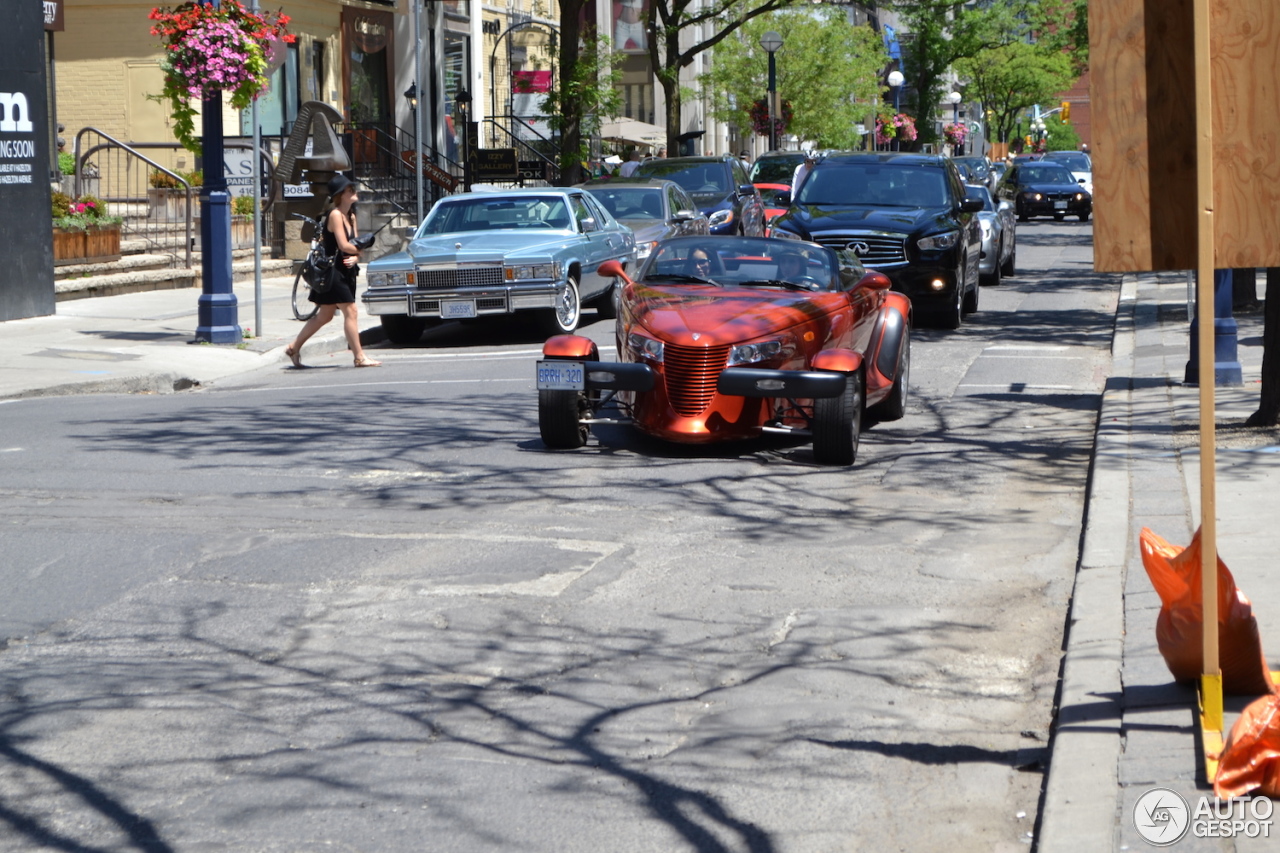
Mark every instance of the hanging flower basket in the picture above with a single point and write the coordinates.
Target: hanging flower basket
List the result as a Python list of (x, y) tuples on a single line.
[(760, 117), (890, 127), (212, 49), (955, 133)]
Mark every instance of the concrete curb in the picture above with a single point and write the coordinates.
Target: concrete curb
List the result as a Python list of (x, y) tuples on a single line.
[(169, 383), (1080, 801)]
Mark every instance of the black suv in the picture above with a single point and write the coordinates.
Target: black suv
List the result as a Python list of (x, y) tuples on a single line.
[(719, 187), (905, 215)]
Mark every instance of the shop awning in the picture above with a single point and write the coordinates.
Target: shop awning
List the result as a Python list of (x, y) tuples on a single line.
[(630, 131)]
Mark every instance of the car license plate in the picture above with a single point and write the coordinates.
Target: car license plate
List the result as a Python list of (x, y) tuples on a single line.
[(560, 376), (1059, 205), (457, 310)]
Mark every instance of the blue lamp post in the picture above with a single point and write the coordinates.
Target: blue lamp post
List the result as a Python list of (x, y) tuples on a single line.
[(1226, 364), (217, 313)]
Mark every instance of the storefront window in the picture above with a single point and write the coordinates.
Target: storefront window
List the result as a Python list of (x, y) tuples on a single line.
[(278, 106), (368, 45), (456, 64)]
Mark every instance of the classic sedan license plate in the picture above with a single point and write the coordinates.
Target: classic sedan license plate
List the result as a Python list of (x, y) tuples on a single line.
[(459, 310), (560, 376), (1059, 205)]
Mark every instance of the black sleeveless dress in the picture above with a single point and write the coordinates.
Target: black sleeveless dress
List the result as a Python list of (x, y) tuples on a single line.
[(344, 289)]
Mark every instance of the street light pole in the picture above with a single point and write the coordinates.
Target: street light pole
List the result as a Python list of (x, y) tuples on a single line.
[(411, 95), (772, 42), (895, 82), (217, 312), (955, 98)]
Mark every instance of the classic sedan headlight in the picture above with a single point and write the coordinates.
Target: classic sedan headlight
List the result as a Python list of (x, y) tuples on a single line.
[(1081, 196), (939, 242), (643, 346), (644, 248), (1029, 196), (783, 234), (986, 229), (756, 352), (528, 271), (389, 279), (720, 217)]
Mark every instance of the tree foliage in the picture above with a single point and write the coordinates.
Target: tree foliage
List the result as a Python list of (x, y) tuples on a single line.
[(584, 94), (827, 70), (944, 32), (1012, 78), (1059, 135), (680, 30)]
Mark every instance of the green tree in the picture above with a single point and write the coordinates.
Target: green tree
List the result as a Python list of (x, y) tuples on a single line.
[(829, 71), (1010, 79), (941, 33), (1060, 136), (585, 92), (700, 25)]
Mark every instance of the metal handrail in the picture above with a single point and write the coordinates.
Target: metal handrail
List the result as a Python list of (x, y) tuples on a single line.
[(524, 144), (81, 158)]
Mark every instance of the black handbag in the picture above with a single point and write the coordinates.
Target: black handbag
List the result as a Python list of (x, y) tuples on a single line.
[(319, 270)]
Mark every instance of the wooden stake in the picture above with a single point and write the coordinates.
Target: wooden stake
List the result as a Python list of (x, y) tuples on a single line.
[(1211, 682)]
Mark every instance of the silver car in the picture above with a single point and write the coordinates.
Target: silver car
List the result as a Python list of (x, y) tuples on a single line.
[(654, 210), (534, 251), (999, 236)]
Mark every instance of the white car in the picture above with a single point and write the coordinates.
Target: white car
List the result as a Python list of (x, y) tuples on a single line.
[(1080, 165)]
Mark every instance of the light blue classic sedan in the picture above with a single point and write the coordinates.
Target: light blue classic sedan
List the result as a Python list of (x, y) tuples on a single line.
[(481, 254)]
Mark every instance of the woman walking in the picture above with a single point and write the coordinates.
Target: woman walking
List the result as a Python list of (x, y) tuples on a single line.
[(339, 235)]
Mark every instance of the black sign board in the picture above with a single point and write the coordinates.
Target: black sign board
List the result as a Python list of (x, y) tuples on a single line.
[(494, 164), (534, 170), (26, 284)]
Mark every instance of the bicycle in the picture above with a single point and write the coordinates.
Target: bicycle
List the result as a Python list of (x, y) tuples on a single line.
[(303, 308)]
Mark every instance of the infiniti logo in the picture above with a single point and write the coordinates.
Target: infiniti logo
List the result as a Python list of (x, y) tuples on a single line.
[(859, 248)]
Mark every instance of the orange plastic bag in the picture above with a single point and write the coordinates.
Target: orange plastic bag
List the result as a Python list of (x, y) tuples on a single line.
[(1250, 762), (1175, 573)]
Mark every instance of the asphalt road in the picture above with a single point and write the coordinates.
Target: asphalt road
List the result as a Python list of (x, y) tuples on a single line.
[(367, 610)]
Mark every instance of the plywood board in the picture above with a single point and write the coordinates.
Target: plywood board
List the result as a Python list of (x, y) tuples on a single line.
[(1144, 149)]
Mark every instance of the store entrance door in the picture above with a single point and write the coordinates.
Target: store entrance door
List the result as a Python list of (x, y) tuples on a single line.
[(367, 73)]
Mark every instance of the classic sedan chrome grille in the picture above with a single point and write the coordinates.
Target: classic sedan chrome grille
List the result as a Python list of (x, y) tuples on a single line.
[(454, 277), (874, 249), (691, 374)]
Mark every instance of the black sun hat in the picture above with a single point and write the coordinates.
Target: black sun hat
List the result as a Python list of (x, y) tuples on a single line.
[(338, 183)]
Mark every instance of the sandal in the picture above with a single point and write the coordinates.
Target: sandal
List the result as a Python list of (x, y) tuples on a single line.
[(367, 362), (294, 356)]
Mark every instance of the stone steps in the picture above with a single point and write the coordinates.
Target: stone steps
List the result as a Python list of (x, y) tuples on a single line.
[(113, 279)]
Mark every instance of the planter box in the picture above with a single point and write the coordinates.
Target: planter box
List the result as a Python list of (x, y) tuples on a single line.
[(171, 205), (241, 231), (92, 246)]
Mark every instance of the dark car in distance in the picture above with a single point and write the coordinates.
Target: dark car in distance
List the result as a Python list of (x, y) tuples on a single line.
[(720, 188), (905, 215), (1044, 188)]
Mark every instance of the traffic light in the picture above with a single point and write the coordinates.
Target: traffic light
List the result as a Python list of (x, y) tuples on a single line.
[(1066, 112)]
